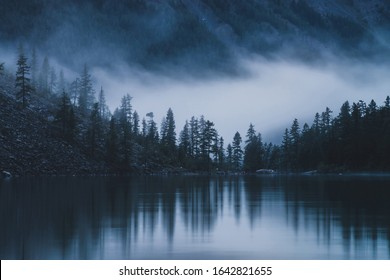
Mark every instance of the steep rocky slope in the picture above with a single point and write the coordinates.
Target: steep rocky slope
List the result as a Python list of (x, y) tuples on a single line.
[(28, 148)]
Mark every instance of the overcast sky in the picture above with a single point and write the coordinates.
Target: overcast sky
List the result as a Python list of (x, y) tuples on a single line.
[(271, 96)]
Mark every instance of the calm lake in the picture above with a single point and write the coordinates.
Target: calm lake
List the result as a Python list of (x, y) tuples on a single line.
[(195, 217)]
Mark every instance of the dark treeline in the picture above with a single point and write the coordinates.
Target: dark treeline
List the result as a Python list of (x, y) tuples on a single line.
[(356, 139)]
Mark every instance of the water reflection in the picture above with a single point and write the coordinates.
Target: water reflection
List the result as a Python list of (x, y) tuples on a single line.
[(195, 217)]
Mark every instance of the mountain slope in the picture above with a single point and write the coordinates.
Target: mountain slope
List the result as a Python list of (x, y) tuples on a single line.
[(195, 33), (28, 148)]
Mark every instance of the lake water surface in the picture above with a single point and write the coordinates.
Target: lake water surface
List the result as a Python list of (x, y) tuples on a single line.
[(195, 217)]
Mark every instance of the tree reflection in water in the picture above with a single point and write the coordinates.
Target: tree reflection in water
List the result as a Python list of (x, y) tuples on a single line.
[(336, 217)]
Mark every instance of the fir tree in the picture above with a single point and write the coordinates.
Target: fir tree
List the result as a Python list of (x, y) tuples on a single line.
[(125, 122), (52, 81), (61, 82), (185, 145), (136, 131), (229, 157), (168, 135), (22, 80), (103, 108), (221, 153), (44, 77), (253, 150), (65, 118), (112, 142), (86, 95), (237, 151)]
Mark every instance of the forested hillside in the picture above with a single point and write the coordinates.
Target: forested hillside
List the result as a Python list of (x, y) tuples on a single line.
[(49, 125)]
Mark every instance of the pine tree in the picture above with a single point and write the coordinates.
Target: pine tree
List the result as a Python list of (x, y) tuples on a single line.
[(135, 124), (253, 151), (168, 135), (112, 142), (221, 153), (52, 81), (125, 122), (65, 118), (208, 135), (237, 151), (44, 77), (185, 145), (152, 132), (74, 91), (22, 80), (194, 137), (103, 108), (286, 150), (94, 131), (86, 94), (229, 157), (144, 128), (294, 144), (387, 102), (61, 82)]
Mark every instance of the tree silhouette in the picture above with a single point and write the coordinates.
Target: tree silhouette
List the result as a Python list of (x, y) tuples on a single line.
[(22, 80)]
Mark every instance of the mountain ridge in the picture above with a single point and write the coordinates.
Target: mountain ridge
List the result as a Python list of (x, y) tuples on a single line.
[(195, 34)]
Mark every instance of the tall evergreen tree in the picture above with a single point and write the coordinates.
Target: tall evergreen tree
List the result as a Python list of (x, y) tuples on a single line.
[(152, 132), (61, 82), (208, 136), (286, 150), (237, 151), (94, 132), (22, 80), (53, 83), (185, 145), (253, 151), (125, 122), (65, 118), (112, 142), (44, 77), (144, 128), (86, 94), (221, 153), (229, 157), (136, 131), (75, 91), (103, 108), (294, 144), (168, 135), (194, 137)]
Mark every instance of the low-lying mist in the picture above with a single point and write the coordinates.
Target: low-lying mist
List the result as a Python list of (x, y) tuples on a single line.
[(266, 93), (270, 94)]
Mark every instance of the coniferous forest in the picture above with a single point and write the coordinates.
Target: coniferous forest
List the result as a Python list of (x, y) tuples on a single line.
[(50, 125)]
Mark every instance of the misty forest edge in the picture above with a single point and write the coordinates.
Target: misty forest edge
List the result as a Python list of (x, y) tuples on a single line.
[(50, 126)]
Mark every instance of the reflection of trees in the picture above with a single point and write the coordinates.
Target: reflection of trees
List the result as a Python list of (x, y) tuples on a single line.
[(199, 198), (355, 208), (253, 190), (82, 217), (78, 217)]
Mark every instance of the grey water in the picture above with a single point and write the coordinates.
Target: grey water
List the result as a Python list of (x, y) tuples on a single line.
[(195, 217)]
